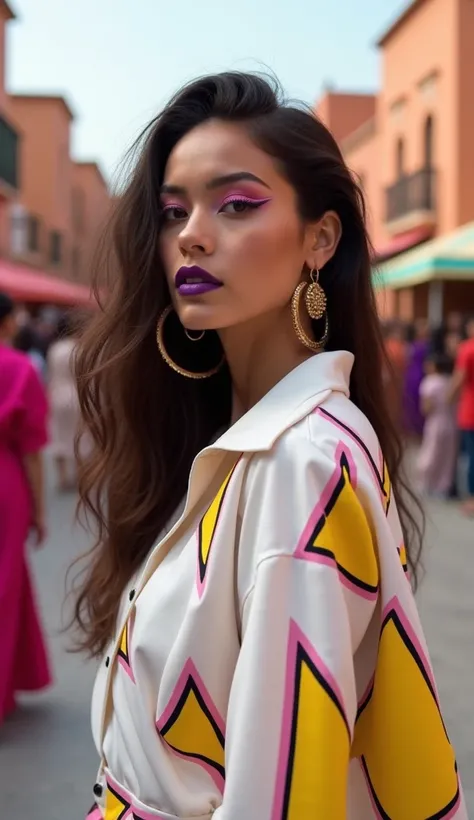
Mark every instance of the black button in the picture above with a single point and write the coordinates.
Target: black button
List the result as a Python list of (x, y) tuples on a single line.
[(131, 595), (107, 660), (98, 790)]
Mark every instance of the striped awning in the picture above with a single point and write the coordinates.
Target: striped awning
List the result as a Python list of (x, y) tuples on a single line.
[(446, 257)]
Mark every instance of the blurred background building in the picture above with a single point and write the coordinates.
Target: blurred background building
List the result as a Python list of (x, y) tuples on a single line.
[(411, 146), (51, 207)]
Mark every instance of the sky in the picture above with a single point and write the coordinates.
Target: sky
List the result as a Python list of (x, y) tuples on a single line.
[(117, 61)]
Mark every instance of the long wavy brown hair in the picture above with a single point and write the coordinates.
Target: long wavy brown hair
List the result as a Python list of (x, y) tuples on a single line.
[(145, 421)]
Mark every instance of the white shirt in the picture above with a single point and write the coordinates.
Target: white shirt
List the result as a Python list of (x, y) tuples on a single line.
[(271, 663)]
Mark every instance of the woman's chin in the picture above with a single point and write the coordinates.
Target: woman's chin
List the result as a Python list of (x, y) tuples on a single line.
[(201, 318)]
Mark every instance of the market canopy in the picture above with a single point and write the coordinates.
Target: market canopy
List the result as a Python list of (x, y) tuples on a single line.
[(447, 257), (28, 285)]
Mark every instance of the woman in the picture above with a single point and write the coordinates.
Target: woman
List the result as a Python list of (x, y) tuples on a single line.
[(64, 403), (253, 666), (394, 373), (24, 665), (415, 370), (26, 341), (436, 460)]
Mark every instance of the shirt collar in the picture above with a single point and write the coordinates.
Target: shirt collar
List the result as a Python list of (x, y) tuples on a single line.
[(289, 401)]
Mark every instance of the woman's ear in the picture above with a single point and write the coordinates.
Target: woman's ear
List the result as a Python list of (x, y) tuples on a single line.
[(323, 239)]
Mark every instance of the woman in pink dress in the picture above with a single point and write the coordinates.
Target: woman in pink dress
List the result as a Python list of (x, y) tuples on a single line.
[(23, 413)]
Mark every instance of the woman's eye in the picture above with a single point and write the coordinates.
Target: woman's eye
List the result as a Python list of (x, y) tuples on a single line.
[(171, 213), (238, 206)]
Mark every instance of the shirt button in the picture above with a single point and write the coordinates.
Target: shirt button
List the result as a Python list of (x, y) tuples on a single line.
[(131, 595), (107, 660), (98, 790)]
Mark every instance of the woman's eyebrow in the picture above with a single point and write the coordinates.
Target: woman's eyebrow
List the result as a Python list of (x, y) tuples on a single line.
[(217, 182)]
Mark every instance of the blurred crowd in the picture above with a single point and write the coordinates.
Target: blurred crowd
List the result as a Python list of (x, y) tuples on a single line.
[(430, 387)]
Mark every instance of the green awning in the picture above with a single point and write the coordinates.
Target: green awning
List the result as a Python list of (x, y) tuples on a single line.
[(446, 257)]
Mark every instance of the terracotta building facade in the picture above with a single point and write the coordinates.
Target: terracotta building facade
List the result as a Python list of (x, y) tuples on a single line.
[(51, 207), (411, 147)]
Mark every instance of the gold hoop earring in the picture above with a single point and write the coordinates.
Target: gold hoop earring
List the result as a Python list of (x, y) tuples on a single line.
[(304, 338), (189, 374)]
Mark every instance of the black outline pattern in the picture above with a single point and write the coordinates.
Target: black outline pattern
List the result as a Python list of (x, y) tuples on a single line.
[(189, 687), (302, 657), (204, 564), (126, 806), (120, 653), (393, 616), (344, 478), (381, 479)]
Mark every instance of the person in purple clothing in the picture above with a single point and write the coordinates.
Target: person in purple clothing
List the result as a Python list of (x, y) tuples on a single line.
[(418, 351)]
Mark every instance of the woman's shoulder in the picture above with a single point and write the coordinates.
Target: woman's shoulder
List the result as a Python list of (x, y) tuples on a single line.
[(314, 445)]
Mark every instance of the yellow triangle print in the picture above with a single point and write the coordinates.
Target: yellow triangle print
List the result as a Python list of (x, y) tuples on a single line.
[(123, 648), (386, 487), (207, 529), (315, 739), (400, 736), (123, 653), (116, 807), (339, 532), (192, 732), (192, 726)]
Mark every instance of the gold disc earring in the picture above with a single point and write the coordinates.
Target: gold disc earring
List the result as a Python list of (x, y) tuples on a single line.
[(189, 374), (318, 310), (315, 297)]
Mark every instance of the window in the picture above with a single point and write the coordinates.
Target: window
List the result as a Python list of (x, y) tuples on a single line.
[(428, 87), (33, 233), (18, 235), (429, 128), (398, 109), (400, 159), (55, 247)]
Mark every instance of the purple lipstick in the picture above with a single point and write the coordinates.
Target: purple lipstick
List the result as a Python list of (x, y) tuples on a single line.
[(194, 281)]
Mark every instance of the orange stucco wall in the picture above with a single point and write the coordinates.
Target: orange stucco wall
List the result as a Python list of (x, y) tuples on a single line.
[(91, 206), (418, 79), (427, 70), (465, 112), (363, 158), (46, 171), (344, 113)]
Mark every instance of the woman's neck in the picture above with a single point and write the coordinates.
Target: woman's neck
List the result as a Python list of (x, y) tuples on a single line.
[(259, 354)]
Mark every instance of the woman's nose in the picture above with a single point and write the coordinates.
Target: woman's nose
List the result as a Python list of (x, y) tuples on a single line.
[(197, 235)]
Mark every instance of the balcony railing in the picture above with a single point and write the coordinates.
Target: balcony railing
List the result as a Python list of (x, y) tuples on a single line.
[(8, 154), (411, 193)]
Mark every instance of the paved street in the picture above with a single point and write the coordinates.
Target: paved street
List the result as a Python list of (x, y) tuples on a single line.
[(47, 762)]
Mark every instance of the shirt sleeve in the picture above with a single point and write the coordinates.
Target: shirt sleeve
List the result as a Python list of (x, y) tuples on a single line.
[(31, 423), (293, 701)]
